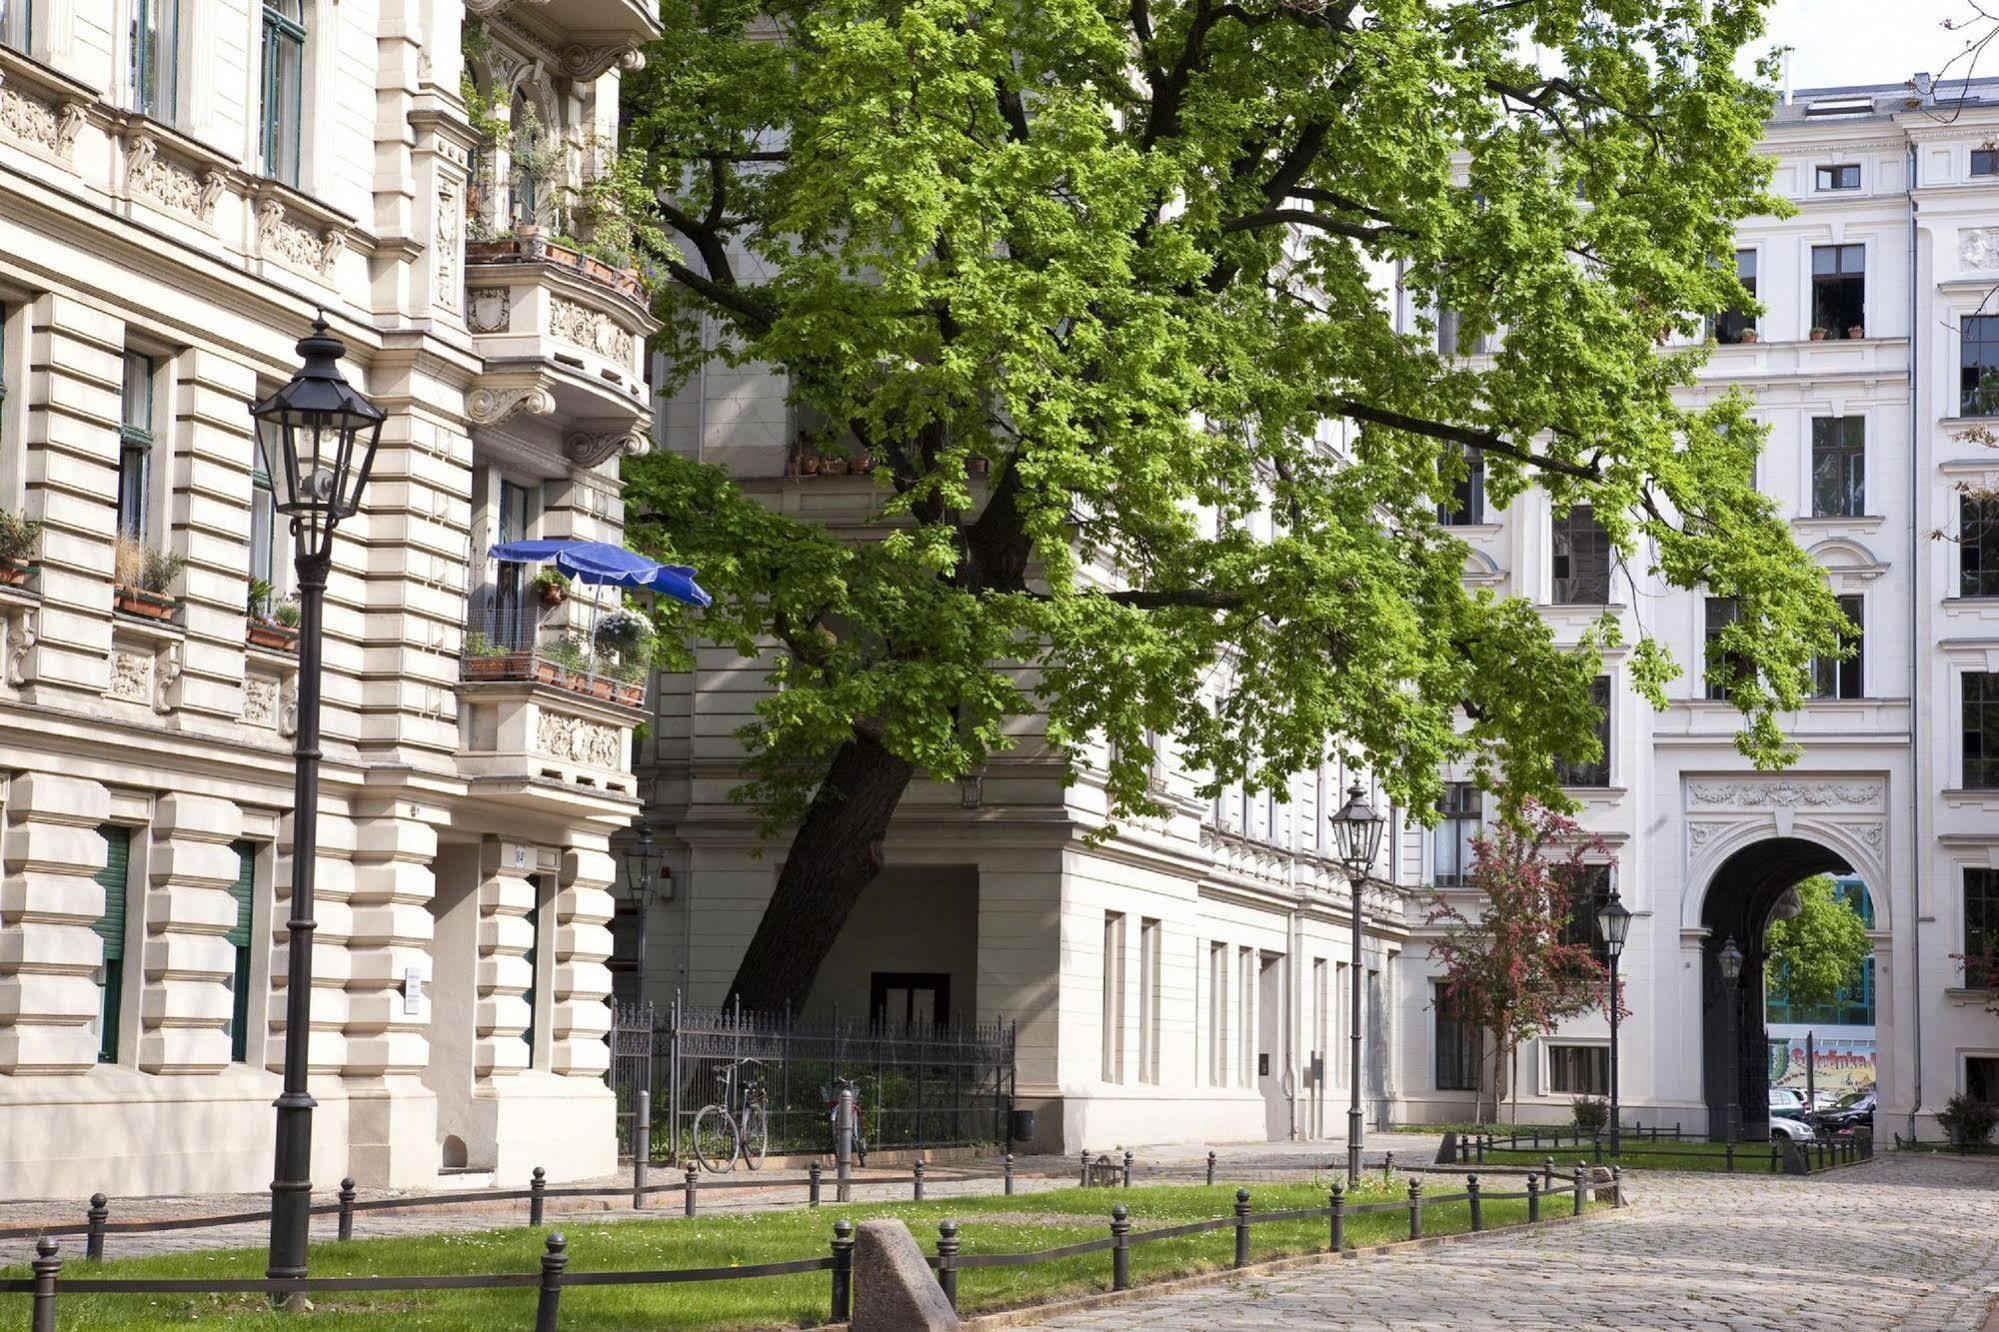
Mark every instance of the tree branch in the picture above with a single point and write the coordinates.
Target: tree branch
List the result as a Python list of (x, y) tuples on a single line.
[(1305, 217), (1484, 440)]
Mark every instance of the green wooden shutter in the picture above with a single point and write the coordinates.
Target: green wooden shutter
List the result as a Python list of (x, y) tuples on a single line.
[(110, 928), (239, 938), (534, 935)]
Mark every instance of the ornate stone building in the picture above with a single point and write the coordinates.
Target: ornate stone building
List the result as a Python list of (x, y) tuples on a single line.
[(182, 184)]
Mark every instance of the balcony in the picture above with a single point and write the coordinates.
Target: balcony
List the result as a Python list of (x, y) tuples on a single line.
[(515, 646), (563, 337), (589, 36), (542, 704)]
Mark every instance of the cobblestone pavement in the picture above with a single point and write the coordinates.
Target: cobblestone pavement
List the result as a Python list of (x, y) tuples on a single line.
[(1032, 1173), (1906, 1243)]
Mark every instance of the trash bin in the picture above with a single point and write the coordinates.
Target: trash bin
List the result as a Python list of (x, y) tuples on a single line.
[(1023, 1126)]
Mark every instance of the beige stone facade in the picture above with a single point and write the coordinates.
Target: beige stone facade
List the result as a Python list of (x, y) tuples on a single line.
[(164, 241)]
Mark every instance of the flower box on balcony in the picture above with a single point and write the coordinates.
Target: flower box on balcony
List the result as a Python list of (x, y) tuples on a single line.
[(16, 573), (148, 605), (276, 637), (529, 246)]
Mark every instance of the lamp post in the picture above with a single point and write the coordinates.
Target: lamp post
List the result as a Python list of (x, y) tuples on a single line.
[(1356, 838), (317, 439), (1614, 919), (1731, 972), (641, 860)]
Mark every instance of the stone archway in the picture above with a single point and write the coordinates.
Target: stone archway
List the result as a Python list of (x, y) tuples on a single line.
[(1740, 895)]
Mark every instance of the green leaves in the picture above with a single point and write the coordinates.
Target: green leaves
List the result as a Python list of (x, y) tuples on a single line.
[(1818, 952), (1136, 258)]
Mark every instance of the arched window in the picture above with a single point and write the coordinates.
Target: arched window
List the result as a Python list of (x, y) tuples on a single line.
[(284, 87)]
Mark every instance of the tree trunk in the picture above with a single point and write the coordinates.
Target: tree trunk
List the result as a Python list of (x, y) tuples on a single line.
[(834, 855)]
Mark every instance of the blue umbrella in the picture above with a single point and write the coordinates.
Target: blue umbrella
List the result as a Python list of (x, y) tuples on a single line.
[(605, 564)]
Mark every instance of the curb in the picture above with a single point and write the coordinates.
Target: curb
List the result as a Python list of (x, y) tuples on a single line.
[(1030, 1314)]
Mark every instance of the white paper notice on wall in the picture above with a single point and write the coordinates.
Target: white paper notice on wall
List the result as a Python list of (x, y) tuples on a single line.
[(412, 991)]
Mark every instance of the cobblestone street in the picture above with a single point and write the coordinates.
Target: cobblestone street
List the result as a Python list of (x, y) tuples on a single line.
[(1903, 1243)]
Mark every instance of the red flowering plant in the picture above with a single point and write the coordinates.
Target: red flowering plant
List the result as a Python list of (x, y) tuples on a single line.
[(1526, 961)]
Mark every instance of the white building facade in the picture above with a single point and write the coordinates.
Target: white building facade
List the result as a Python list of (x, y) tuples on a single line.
[(182, 184)]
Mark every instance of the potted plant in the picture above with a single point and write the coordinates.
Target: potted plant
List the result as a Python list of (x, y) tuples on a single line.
[(863, 462), (551, 585), (1818, 334), (269, 626), (20, 538), (483, 659), (1856, 330), (142, 579), (1751, 335)]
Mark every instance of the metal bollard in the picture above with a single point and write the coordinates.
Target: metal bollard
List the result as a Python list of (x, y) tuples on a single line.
[(1387, 1162), (346, 1210), (1120, 1248), (1242, 1227), (1127, 1160), (537, 1200), (1579, 1188), (1776, 1157), (1415, 1208), (1084, 1179), (1617, 1186), (1547, 1168), (947, 1261), (93, 1243), (812, 1184), (1009, 1169), (1337, 1207), (1477, 1216), (1533, 1197), (693, 1186), (843, 1270), (1727, 1153), (1211, 1155), (844, 1124), (916, 1182), (641, 1146), (1596, 1148), (547, 1309), (1482, 1138), (46, 1266)]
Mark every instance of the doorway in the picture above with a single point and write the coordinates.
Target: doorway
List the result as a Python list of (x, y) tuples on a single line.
[(1270, 1046), (909, 1000)]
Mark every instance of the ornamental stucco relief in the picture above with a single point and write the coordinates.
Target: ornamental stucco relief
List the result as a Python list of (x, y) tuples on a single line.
[(260, 701), (579, 740), (1794, 794), (175, 186), (1978, 247), (278, 237), (132, 676), (489, 309), (34, 121), (589, 329)]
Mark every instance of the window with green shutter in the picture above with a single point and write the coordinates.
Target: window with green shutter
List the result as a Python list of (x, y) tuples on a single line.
[(110, 928), (534, 937), (243, 890)]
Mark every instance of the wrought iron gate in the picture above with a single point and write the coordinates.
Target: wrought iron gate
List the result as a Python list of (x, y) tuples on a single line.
[(630, 1073)]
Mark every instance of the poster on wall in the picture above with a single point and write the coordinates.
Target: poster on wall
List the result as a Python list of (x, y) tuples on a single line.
[(1843, 1065)]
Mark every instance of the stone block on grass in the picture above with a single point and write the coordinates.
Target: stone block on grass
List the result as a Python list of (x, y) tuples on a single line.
[(893, 1288)]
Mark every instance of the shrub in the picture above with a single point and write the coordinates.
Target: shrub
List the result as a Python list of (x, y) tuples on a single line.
[(1592, 1113), (287, 613), (259, 603), (629, 634), (20, 537), (134, 565), (162, 567), (1969, 1123)]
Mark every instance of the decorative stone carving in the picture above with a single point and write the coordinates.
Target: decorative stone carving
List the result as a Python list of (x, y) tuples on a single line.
[(166, 679), (494, 406), (131, 676), (489, 309), (1699, 834), (589, 450), (1978, 247), (22, 635), (278, 237), (1789, 793), (590, 62), (288, 706), (589, 329), (146, 172), (260, 701), (449, 223), (31, 120), (579, 740)]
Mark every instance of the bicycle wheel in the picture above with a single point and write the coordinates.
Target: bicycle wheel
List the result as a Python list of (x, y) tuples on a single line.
[(756, 1136), (715, 1139)]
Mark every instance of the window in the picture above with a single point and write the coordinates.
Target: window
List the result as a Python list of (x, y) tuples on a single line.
[(1981, 1078), (1596, 771), (1731, 324), (1981, 927), (1321, 1033), (17, 21), (1839, 289), (1978, 366), (531, 146), (1450, 841), (1245, 1017), (1841, 677), (135, 447), (1343, 1022), (284, 87), (1590, 891), (110, 927), (1454, 340), (1978, 546), (243, 890), (1467, 503), (155, 48), (1218, 1029), (514, 621), (1148, 1000), (534, 978), (1579, 1070), (906, 1001), (1582, 559), (1839, 466), (1984, 162), (1981, 730), (1845, 176), (1460, 1047), (1113, 996), (263, 529), (1722, 668)]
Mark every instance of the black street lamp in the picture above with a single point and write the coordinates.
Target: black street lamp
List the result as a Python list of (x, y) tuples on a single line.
[(1614, 919), (641, 862), (317, 439), (1731, 972), (1356, 839)]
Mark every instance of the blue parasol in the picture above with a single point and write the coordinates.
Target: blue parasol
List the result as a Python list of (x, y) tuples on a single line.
[(601, 563)]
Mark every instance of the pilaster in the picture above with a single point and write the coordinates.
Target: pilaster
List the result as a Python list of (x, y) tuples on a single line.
[(333, 888), (506, 896), (185, 1010), (49, 955), (582, 983)]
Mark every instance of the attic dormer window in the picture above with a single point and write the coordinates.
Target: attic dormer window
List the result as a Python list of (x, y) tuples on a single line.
[(1841, 106), (1843, 177)]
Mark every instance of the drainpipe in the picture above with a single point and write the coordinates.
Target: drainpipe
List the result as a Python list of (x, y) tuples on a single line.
[(1918, 773)]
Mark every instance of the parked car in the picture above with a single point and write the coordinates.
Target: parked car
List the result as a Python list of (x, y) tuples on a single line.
[(1789, 1127), (1786, 1100), (1851, 1111)]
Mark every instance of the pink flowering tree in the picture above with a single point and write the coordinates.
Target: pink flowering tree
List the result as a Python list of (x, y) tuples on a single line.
[(1515, 970)]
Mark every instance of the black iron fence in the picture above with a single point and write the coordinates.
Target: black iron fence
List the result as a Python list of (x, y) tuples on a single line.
[(918, 1086)]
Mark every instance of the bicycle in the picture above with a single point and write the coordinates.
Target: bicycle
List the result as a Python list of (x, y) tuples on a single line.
[(860, 1146), (736, 1125)]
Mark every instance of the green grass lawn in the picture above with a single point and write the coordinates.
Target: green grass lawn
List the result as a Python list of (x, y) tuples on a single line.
[(987, 1225), (1750, 1157)]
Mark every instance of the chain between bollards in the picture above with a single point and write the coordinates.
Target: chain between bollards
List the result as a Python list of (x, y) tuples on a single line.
[(843, 1270), (548, 1308), (93, 1243), (947, 1261), (346, 1231), (1242, 1227), (1120, 1248)]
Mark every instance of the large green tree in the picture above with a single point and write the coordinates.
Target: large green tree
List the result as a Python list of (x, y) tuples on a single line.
[(1142, 257), (1817, 954)]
